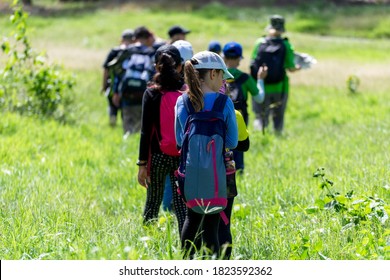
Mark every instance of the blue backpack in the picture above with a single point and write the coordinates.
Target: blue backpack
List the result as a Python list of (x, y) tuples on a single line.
[(202, 170)]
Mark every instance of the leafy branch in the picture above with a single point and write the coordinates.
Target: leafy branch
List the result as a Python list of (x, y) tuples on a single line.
[(30, 85)]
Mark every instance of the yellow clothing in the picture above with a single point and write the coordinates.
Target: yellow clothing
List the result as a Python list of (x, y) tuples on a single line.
[(242, 130)]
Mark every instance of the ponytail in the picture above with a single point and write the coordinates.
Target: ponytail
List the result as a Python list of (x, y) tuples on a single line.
[(192, 79)]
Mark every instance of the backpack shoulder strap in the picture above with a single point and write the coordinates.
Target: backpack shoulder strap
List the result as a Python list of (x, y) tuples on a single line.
[(121, 55), (219, 103), (218, 106), (242, 78)]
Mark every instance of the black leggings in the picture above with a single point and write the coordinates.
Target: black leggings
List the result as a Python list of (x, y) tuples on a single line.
[(224, 233), (161, 166), (198, 228)]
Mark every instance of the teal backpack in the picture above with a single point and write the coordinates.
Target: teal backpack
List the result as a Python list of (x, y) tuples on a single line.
[(202, 171)]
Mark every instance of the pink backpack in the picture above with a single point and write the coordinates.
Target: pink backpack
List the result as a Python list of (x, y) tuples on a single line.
[(167, 122)]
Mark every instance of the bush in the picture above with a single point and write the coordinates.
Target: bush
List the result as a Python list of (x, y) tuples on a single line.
[(28, 83), (382, 29)]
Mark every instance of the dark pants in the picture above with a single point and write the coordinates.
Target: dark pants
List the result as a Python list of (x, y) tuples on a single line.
[(275, 104), (198, 228), (131, 118), (224, 233), (239, 159), (112, 109)]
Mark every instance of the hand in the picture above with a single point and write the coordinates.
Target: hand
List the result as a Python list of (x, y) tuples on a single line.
[(297, 67), (116, 99), (143, 178), (263, 72)]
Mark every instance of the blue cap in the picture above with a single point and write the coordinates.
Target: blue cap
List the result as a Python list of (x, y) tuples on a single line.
[(215, 46), (233, 50)]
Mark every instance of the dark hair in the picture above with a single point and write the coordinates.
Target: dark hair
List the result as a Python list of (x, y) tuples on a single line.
[(167, 78), (142, 32), (192, 78)]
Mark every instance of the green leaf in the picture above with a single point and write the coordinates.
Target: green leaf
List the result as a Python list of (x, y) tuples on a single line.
[(341, 199), (6, 47), (312, 209), (297, 208), (304, 254), (365, 241), (318, 245), (320, 203)]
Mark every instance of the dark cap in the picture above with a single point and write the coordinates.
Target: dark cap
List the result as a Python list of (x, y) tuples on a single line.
[(215, 46), (171, 50), (128, 34), (142, 33), (232, 50), (176, 29), (277, 23)]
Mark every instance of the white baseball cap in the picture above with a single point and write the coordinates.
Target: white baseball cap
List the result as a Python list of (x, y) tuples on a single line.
[(185, 49), (211, 60)]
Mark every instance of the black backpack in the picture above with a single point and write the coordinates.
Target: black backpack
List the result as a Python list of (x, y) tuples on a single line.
[(234, 89), (271, 52), (138, 71), (115, 65)]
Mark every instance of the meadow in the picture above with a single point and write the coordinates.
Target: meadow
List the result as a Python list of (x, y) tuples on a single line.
[(69, 191)]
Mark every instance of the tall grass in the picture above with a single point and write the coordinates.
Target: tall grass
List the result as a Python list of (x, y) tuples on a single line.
[(70, 191)]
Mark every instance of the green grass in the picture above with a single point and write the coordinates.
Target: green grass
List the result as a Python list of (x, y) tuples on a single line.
[(70, 191)]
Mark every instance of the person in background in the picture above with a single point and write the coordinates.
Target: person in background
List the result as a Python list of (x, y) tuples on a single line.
[(225, 235), (215, 46), (147, 38), (176, 33), (186, 53), (276, 93), (185, 49), (204, 74), (127, 38), (232, 54), (139, 67), (154, 165)]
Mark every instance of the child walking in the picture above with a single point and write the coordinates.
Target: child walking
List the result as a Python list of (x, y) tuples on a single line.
[(232, 54), (277, 53), (204, 75), (225, 235), (154, 164)]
